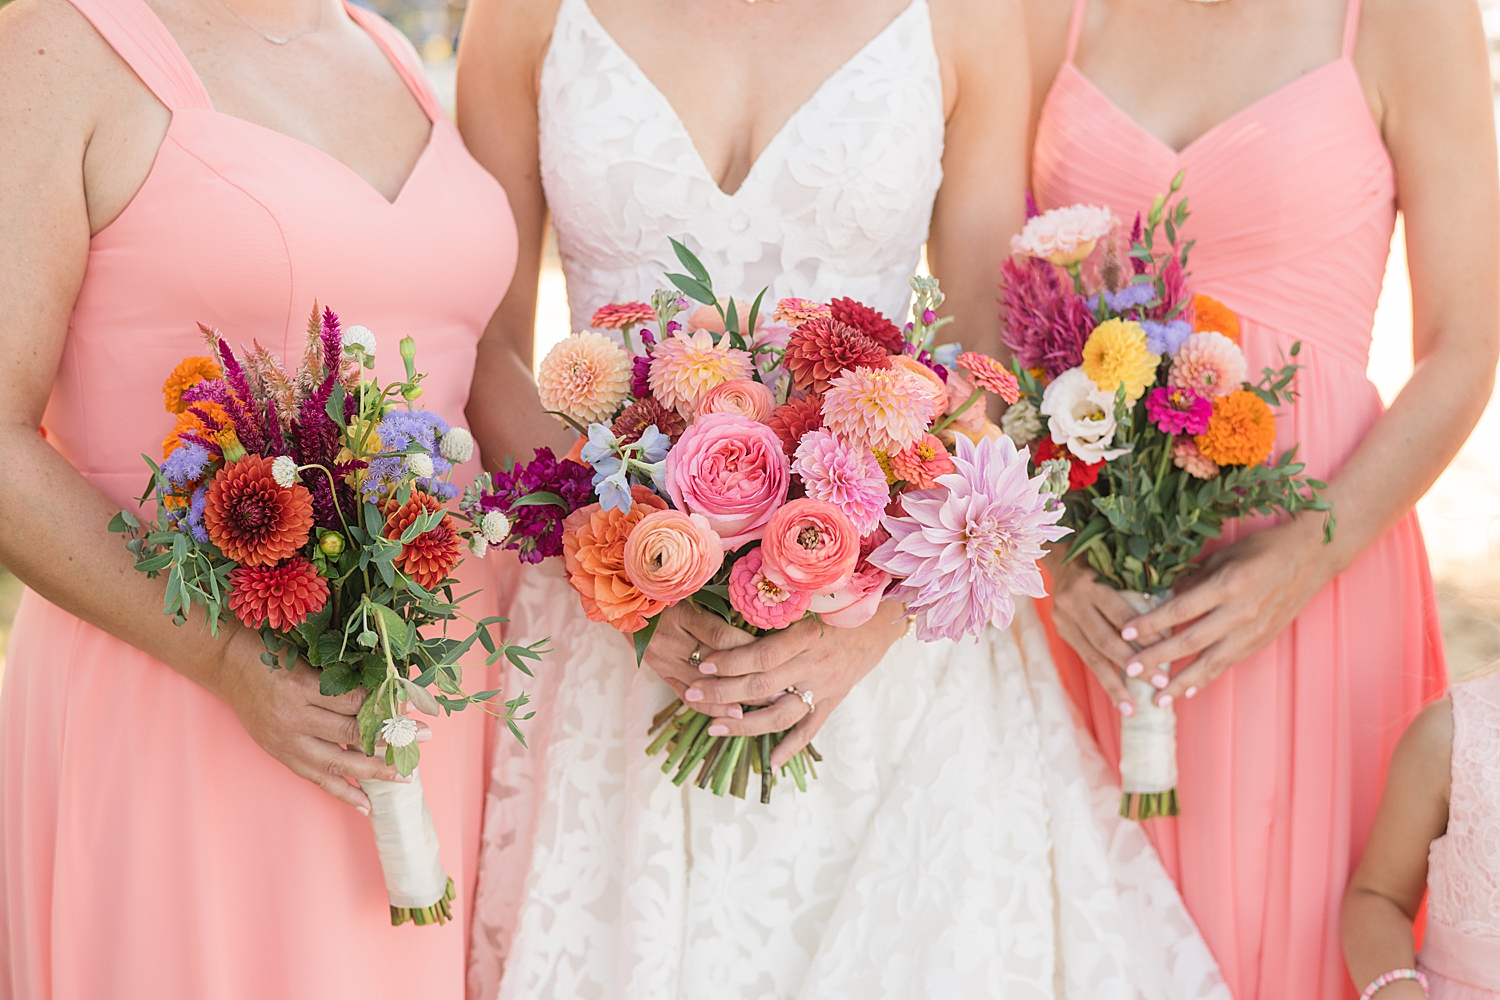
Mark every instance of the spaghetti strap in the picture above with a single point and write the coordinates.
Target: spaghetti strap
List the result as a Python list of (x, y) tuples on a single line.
[(133, 30), (1351, 27), (402, 56), (1075, 28)]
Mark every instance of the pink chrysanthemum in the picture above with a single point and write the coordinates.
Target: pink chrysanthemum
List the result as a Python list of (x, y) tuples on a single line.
[(1185, 455), (795, 312), (586, 376), (990, 374), (847, 476), (619, 315), (1178, 411), (884, 409), (1210, 364), (763, 603), (964, 550), (685, 366), (922, 463)]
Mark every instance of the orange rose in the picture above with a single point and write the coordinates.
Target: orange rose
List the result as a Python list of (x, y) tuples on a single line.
[(594, 555)]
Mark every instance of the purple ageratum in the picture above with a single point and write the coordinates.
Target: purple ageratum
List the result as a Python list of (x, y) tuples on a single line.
[(186, 464), (1130, 297), (195, 514), (1046, 324), (1165, 338), (1178, 411), (964, 550), (536, 532)]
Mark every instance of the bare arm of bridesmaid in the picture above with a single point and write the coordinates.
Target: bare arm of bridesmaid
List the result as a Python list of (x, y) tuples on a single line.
[(78, 134), (1428, 65)]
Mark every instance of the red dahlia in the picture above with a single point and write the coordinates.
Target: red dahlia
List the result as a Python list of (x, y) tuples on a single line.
[(792, 420), (820, 349), (431, 556), (641, 414), (1081, 474), (282, 595), (251, 518), (870, 323)]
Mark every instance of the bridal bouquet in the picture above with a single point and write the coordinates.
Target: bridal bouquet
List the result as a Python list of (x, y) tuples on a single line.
[(311, 506), (764, 470), (1135, 399)]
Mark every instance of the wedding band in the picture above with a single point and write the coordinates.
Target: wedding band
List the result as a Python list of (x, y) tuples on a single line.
[(697, 655), (807, 698)]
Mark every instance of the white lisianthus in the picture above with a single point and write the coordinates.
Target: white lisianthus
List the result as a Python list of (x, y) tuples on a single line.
[(420, 465), (359, 337), (399, 732), (496, 527), (457, 445), (479, 546), (284, 471), (1021, 422), (1081, 416)]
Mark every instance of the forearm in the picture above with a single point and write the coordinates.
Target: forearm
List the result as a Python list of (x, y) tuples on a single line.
[(1378, 938), (505, 414)]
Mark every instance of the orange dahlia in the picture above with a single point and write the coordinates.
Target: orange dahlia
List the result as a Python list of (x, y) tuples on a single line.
[(643, 413), (869, 322), (282, 595), (188, 373), (431, 556), (1241, 432), (254, 520), (792, 420), (1213, 315), (189, 422), (820, 349)]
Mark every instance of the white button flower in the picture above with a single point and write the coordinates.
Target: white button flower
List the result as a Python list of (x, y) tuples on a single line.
[(496, 527), (284, 471), (399, 732), (359, 338), (420, 465), (1081, 417), (479, 546), (457, 445)]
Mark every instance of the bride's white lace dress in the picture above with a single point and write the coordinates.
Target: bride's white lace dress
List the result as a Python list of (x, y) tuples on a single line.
[(961, 840)]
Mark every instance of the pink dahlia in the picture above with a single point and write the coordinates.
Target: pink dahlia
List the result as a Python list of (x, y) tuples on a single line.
[(795, 312), (762, 602), (991, 375), (1210, 364), (847, 476), (685, 366), (922, 463), (884, 409), (964, 550), (619, 315), (586, 376), (1185, 455), (1178, 411)]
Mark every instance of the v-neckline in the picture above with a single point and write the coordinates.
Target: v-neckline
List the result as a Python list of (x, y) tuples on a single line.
[(786, 126), (1179, 154)]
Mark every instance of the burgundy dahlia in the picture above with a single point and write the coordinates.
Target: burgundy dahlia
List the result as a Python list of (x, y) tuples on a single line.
[(870, 323), (630, 425)]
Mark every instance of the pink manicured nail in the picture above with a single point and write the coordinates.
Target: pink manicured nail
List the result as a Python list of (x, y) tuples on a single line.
[(693, 694), (1128, 632), (1127, 709), (1165, 701), (1160, 681), (1190, 692), (735, 712), (1134, 669), (362, 810), (777, 697), (718, 729), (423, 735), (709, 668)]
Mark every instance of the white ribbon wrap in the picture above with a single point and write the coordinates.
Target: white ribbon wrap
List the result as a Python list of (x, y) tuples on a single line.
[(407, 842), (1148, 739)]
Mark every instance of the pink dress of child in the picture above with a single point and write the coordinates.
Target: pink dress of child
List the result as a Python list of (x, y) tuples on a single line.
[(1283, 757), (1461, 953), (151, 848)]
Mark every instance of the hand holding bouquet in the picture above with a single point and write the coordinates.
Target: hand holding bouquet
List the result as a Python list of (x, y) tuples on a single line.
[(311, 507)]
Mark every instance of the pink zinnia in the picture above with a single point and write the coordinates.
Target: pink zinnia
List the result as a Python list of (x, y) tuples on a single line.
[(1178, 411), (762, 602), (990, 374), (795, 312), (1208, 363), (847, 476), (684, 367), (965, 549), (1185, 455), (884, 409), (619, 315), (922, 463)]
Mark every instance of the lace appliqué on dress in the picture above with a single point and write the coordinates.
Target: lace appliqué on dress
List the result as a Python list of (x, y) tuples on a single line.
[(1464, 864)]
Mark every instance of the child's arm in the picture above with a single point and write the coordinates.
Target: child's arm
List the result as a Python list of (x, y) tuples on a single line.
[(1387, 888)]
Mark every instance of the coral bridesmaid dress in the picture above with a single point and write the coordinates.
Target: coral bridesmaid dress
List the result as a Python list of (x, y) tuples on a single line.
[(151, 849), (1283, 757)]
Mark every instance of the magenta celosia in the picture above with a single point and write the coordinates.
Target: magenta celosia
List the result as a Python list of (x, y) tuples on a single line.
[(1046, 322)]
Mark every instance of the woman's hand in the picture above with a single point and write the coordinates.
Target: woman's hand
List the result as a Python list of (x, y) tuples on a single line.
[(1241, 599), (1088, 615), (300, 727), (682, 631), (826, 662)]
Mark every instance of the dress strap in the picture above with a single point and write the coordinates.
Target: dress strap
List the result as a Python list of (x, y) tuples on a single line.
[(402, 56), (1351, 27), (133, 30), (1075, 28)]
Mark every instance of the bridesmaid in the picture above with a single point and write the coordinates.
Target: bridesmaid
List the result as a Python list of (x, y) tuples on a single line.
[(1302, 127), (224, 161)]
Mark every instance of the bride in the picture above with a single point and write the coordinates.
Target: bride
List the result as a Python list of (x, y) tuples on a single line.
[(961, 840)]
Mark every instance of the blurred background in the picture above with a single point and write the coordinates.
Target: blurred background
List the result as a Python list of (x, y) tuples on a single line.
[(1460, 515)]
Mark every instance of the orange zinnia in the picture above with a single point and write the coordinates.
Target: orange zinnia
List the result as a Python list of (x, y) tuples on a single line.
[(188, 373), (1213, 315), (1241, 432), (594, 554)]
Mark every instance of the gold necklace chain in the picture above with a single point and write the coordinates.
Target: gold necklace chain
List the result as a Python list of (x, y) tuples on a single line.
[(276, 39)]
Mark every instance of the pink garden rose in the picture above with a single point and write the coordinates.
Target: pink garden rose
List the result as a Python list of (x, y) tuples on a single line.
[(762, 602), (810, 545), (855, 603), (733, 471), (744, 396), (670, 555)]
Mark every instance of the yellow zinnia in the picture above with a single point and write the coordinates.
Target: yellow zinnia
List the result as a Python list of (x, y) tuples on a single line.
[(1116, 354)]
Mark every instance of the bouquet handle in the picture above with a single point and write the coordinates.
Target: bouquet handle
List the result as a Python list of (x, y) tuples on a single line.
[(1148, 741), (407, 842)]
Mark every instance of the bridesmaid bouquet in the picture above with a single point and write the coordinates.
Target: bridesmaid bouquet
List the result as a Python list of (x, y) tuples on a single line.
[(768, 470), (311, 507), (1135, 401)]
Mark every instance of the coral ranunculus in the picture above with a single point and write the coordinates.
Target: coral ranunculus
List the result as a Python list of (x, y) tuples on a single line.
[(810, 545), (594, 556), (281, 596), (1242, 430), (188, 373), (1213, 316), (431, 556), (820, 349), (733, 471), (761, 601), (744, 396), (670, 555), (251, 518), (1116, 354)]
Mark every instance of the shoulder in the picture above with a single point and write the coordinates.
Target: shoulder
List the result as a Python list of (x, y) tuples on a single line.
[(1426, 748), (503, 44), (1403, 40), (973, 25)]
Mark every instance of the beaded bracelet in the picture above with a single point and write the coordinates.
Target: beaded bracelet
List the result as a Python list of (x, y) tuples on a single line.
[(1394, 976)]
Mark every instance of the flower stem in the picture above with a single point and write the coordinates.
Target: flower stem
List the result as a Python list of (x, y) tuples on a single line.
[(941, 424)]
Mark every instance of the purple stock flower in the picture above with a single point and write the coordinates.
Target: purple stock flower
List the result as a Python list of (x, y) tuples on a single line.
[(536, 532)]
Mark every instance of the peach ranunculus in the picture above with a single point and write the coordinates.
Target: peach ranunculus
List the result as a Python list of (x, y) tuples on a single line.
[(744, 396), (810, 545), (853, 604), (733, 471), (707, 317), (937, 389), (670, 555), (594, 555)]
